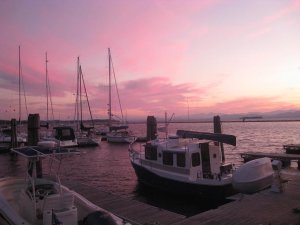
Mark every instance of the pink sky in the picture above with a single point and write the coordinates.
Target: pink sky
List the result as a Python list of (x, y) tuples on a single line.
[(214, 57)]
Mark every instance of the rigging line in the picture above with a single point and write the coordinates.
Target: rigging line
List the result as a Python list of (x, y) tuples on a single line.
[(117, 90), (87, 96), (20, 85), (80, 77), (24, 92), (48, 90), (76, 114), (52, 111)]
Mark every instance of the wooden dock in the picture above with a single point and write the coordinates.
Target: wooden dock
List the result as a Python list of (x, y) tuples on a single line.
[(133, 211), (284, 157), (265, 207)]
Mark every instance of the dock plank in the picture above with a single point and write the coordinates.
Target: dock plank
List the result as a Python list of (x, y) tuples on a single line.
[(130, 209), (265, 207)]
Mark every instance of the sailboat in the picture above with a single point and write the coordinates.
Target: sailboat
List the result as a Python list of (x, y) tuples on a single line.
[(62, 136), (5, 133), (85, 134), (117, 133)]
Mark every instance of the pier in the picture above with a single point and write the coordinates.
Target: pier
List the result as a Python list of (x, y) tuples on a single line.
[(265, 207), (284, 157), (133, 211)]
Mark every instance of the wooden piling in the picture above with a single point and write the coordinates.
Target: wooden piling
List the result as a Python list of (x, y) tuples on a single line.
[(151, 128), (13, 138), (33, 129), (33, 139), (218, 130)]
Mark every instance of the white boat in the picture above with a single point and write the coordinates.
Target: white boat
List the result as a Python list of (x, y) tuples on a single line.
[(41, 201), (253, 176), (63, 136), (117, 133), (185, 164)]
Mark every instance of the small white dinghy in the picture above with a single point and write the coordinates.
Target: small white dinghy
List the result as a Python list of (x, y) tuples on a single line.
[(253, 176)]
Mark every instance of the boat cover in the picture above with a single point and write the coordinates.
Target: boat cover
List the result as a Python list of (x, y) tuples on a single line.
[(223, 138)]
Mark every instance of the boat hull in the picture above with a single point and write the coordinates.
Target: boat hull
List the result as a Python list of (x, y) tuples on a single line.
[(253, 176), (253, 186), (217, 192)]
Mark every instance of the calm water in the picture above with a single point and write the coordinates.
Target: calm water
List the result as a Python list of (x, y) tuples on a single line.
[(108, 166)]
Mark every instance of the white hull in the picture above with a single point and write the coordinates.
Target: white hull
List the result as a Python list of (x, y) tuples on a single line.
[(18, 208), (119, 138), (253, 176)]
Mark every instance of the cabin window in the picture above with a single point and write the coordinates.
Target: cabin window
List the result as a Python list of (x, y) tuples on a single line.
[(196, 159), (168, 158), (150, 152), (180, 159)]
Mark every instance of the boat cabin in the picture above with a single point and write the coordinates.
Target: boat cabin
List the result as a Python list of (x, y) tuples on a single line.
[(65, 136), (195, 158)]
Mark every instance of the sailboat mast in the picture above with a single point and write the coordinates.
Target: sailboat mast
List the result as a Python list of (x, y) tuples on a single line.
[(109, 87), (47, 88), (20, 84)]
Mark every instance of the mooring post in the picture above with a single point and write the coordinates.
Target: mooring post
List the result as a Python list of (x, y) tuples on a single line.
[(13, 138), (33, 139), (33, 129), (218, 130), (151, 128)]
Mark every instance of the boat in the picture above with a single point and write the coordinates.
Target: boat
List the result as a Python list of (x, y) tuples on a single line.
[(86, 136), (188, 163), (253, 176), (5, 139), (120, 134), (117, 133), (62, 136), (41, 200)]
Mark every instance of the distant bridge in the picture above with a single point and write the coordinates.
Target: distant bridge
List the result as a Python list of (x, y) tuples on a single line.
[(250, 117)]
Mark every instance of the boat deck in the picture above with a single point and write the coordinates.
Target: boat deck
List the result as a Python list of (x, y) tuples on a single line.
[(265, 207)]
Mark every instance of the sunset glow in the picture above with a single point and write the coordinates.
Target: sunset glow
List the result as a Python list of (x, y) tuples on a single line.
[(211, 56)]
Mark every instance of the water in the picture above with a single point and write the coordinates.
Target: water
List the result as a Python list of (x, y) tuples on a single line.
[(108, 166)]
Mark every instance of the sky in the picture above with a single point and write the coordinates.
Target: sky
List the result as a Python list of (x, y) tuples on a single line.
[(183, 57)]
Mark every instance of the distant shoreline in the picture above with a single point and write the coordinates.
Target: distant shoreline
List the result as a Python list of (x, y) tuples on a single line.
[(224, 121), (103, 122)]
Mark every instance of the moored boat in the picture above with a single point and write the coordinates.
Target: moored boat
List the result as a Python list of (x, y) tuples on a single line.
[(253, 176), (38, 200), (185, 164)]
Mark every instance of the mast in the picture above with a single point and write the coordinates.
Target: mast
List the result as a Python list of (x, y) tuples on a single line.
[(109, 87), (47, 88), (20, 85)]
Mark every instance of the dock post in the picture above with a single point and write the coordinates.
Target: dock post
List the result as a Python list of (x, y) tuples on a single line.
[(218, 130), (151, 128), (33, 139), (33, 129), (13, 138)]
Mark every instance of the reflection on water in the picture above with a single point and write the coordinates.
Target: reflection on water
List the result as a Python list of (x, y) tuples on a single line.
[(108, 166)]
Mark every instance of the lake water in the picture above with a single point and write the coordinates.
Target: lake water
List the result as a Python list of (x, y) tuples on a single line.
[(108, 166)]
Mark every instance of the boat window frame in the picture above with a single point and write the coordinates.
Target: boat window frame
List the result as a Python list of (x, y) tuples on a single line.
[(195, 161), (167, 159), (180, 162)]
